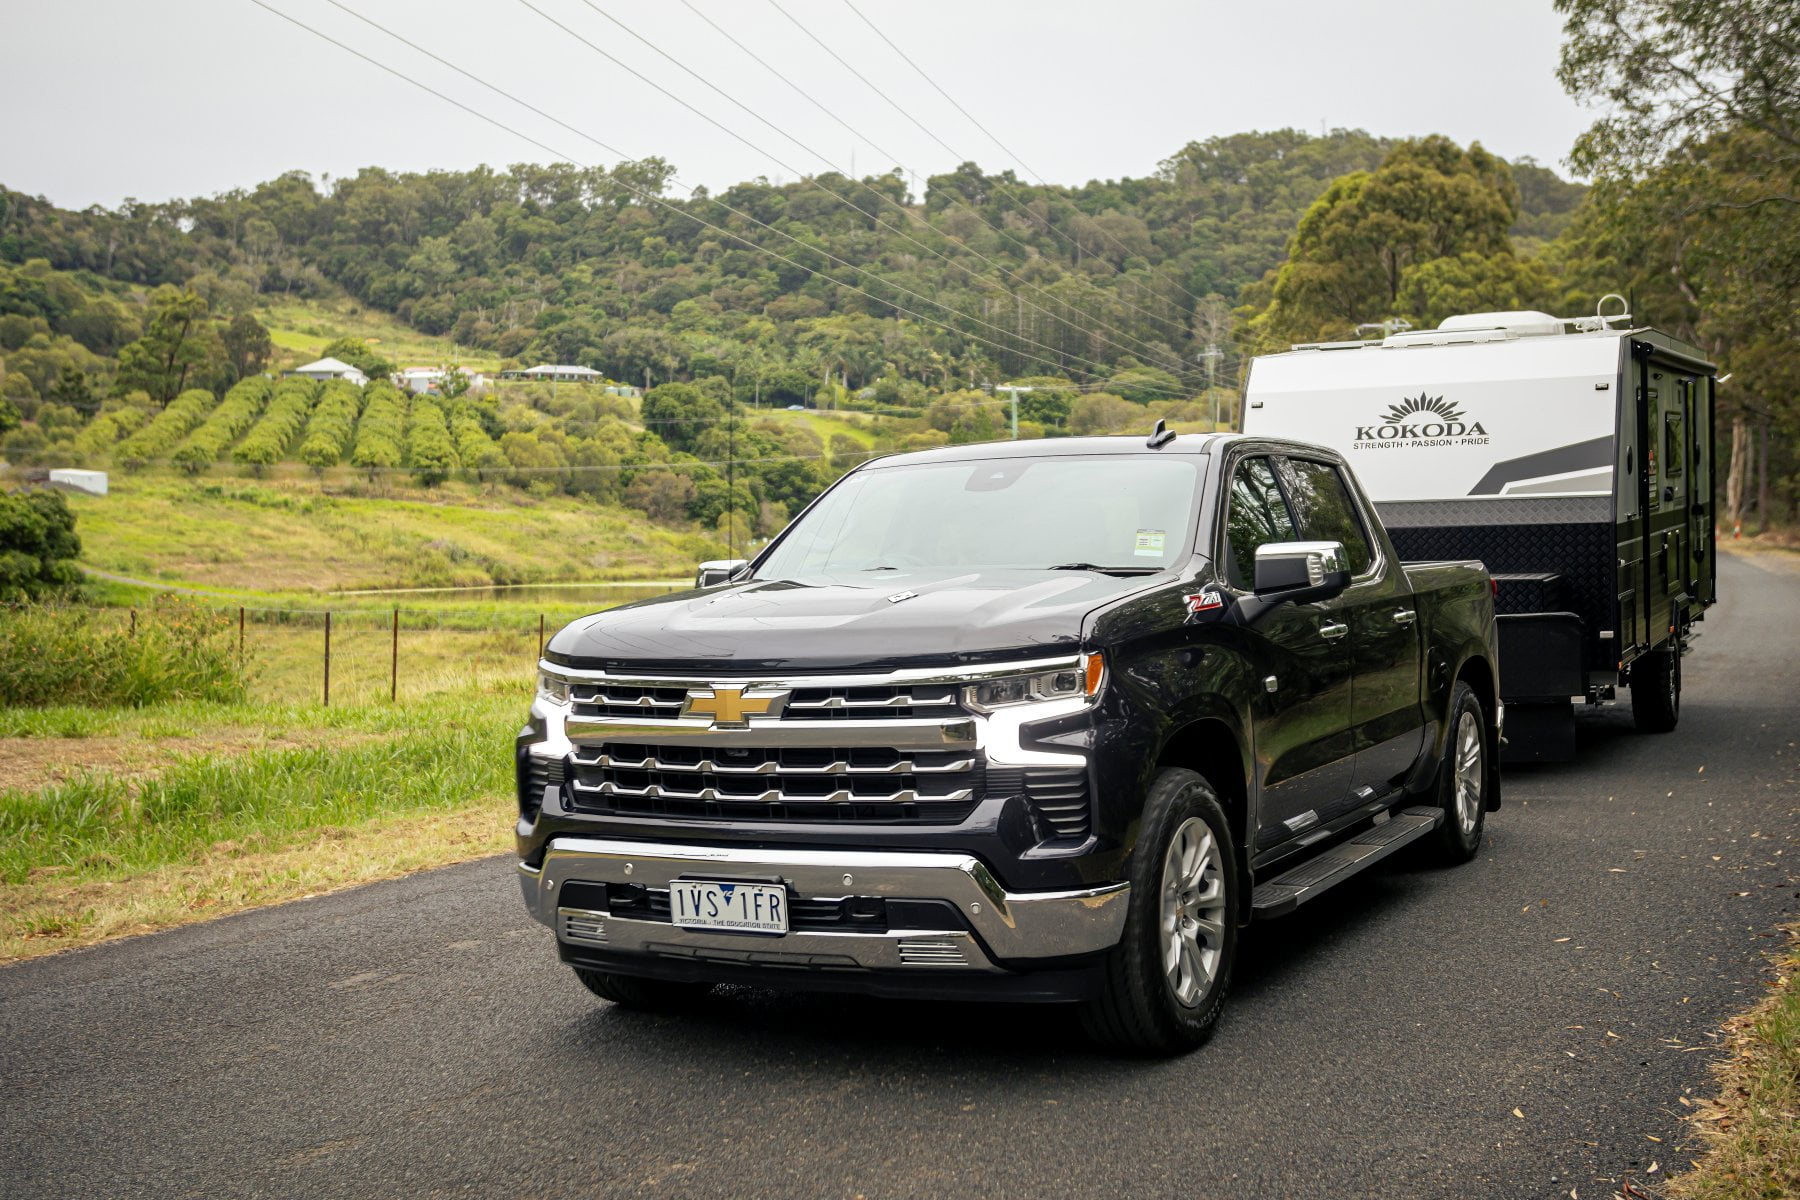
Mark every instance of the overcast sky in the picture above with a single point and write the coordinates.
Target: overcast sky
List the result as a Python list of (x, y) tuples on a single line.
[(114, 98)]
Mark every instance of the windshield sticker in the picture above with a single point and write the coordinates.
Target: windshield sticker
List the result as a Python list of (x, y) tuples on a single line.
[(1149, 543)]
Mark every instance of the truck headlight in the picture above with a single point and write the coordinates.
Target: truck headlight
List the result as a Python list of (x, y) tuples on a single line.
[(1083, 678), (552, 689)]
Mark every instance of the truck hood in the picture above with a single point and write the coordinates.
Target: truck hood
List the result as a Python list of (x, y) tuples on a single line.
[(865, 620)]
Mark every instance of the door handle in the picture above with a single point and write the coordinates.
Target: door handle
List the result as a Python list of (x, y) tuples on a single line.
[(1405, 616), (1333, 632)]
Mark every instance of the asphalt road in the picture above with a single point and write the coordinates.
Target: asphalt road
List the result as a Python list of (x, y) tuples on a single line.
[(418, 1037)]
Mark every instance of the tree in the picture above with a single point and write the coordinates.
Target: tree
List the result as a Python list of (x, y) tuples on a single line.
[(1673, 73), (247, 346), (1428, 199), (171, 349), (1697, 162), (71, 389), (357, 353), (38, 546), (680, 412)]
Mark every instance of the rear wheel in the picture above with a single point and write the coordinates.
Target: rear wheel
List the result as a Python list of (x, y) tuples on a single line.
[(648, 995), (1463, 778), (1656, 690), (1166, 980)]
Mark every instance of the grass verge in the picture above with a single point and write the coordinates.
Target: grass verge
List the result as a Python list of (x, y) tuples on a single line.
[(1752, 1131), (107, 852)]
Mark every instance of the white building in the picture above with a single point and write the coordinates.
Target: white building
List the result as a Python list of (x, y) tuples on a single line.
[(330, 368), (91, 482), (551, 373), (419, 380)]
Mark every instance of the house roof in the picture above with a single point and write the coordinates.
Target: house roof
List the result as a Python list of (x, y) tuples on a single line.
[(328, 364)]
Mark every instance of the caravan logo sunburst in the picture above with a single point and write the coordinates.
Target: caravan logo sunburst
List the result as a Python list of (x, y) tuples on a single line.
[(1421, 406), (1422, 420)]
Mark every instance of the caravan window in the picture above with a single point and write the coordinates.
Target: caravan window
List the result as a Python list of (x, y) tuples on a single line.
[(1325, 511), (1674, 445)]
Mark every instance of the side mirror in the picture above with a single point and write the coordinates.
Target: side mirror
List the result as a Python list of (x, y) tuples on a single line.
[(1300, 572), (719, 570)]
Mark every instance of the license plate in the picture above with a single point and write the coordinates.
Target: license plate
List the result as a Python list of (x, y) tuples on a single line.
[(745, 907)]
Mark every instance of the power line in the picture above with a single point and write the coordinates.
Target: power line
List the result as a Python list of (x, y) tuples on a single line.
[(651, 198), (1024, 207), (1143, 346), (984, 129), (812, 182)]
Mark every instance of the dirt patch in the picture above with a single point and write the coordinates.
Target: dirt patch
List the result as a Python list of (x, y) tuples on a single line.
[(30, 763), (39, 917)]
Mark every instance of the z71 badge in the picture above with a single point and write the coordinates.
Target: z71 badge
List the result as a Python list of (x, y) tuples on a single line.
[(1204, 602)]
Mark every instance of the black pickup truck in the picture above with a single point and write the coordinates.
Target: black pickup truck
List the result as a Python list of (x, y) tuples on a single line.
[(1038, 721)]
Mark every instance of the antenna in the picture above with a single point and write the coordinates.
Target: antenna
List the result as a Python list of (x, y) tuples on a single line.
[(1160, 436)]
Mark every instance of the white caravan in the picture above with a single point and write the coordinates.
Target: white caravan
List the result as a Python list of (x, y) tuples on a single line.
[(1537, 444)]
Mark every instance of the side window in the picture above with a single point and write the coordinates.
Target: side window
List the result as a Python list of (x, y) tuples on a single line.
[(1257, 515), (1324, 511), (1674, 436)]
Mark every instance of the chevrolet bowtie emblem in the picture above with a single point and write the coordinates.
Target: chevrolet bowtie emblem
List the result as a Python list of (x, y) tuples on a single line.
[(730, 708)]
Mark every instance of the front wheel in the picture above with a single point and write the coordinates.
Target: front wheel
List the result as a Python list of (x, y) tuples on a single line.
[(1166, 980), (1656, 690)]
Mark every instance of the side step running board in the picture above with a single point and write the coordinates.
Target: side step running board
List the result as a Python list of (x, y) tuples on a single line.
[(1281, 895)]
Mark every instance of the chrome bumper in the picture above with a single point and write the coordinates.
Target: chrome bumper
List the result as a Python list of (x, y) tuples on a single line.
[(1010, 928)]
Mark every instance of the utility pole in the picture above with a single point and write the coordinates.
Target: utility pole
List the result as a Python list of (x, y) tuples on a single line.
[(1014, 390), (1211, 356)]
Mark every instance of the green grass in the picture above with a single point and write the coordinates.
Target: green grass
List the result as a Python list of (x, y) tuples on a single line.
[(292, 535), (1752, 1132), (99, 825), (302, 328)]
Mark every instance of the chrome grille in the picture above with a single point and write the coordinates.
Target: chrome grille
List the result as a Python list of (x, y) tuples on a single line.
[(630, 701), (919, 953), (874, 703), (777, 783)]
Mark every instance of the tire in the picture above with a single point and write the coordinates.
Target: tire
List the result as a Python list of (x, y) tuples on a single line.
[(1166, 980), (1656, 690), (1465, 779), (646, 995)]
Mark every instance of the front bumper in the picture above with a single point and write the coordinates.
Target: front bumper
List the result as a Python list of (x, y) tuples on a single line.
[(1000, 933)]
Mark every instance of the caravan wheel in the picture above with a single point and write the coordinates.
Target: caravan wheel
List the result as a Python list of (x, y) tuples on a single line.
[(1656, 690)]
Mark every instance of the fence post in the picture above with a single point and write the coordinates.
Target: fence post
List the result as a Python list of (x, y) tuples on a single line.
[(327, 658), (540, 635), (240, 637), (134, 622), (394, 662)]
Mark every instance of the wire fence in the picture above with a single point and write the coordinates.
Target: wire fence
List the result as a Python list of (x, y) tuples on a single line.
[(364, 653)]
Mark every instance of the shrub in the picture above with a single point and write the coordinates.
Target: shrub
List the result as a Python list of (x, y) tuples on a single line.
[(206, 444), (382, 431), (478, 452), (269, 439), (154, 441), (429, 450), (180, 651), (95, 443), (333, 421)]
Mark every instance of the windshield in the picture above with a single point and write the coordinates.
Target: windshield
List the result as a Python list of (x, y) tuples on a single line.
[(1132, 513)]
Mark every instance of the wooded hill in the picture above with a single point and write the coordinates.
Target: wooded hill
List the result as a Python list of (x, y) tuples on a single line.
[(773, 285)]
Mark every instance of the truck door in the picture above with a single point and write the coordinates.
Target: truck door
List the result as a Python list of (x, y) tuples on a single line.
[(1669, 410), (1386, 718), (1299, 657), (1701, 508)]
